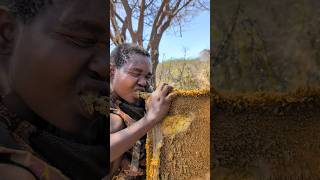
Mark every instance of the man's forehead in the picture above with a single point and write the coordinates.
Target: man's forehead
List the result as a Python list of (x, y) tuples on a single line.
[(139, 69), (90, 14), (139, 66)]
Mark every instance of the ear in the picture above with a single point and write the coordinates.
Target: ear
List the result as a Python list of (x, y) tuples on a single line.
[(112, 70), (7, 31)]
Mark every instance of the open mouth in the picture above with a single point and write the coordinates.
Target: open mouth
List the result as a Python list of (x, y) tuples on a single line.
[(140, 90), (93, 103), (94, 98)]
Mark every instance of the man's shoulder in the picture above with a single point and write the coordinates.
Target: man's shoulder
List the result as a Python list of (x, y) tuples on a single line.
[(8, 143), (9, 171), (116, 123), (13, 130)]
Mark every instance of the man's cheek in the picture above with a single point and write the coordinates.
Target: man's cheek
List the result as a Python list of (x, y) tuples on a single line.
[(129, 81)]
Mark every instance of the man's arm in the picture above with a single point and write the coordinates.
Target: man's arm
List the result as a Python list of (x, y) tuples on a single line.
[(116, 123), (158, 107), (124, 139)]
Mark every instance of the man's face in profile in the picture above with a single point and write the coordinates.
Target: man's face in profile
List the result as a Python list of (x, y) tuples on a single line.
[(60, 55)]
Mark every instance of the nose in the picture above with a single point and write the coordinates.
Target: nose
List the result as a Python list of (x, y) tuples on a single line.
[(99, 65), (143, 82)]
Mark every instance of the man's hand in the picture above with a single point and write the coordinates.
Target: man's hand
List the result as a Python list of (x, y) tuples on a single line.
[(157, 108), (159, 103)]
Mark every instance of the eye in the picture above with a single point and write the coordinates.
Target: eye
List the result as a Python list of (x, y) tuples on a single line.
[(134, 74), (83, 42)]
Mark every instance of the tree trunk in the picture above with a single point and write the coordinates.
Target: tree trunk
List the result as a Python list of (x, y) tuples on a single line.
[(155, 61)]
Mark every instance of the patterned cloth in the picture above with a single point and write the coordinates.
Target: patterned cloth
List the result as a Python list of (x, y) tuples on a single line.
[(46, 152), (133, 165)]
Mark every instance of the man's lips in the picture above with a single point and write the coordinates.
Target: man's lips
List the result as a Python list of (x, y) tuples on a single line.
[(89, 91), (140, 89)]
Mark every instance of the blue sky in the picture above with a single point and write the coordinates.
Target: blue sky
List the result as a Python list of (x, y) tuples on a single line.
[(195, 38)]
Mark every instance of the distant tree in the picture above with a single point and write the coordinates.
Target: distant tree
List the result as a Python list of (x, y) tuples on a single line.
[(204, 55), (147, 20)]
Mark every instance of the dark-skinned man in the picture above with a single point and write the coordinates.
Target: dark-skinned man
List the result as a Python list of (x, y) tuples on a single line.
[(131, 73), (52, 52)]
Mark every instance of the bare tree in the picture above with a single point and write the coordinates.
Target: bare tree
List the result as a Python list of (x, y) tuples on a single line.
[(146, 21)]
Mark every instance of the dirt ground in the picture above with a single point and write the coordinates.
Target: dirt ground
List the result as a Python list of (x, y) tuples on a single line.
[(266, 136), (185, 153)]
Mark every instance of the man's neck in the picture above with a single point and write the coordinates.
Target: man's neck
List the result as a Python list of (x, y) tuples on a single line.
[(138, 102), (16, 105)]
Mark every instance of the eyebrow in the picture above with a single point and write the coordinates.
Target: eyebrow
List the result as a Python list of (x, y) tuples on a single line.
[(140, 71), (90, 26)]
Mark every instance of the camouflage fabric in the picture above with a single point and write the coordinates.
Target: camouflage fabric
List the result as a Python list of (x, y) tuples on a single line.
[(15, 150), (49, 155), (133, 165)]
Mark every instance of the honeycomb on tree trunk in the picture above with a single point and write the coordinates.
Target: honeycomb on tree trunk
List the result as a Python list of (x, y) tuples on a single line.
[(185, 148), (266, 135)]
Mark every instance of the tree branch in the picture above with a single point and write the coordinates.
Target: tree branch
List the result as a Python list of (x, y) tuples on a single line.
[(118, 16), (141, 23), (128, 11), (183, 6), (147, 5), (155, 23)]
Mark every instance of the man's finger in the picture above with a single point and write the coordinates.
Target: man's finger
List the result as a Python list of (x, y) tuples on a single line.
[(166, 90), (163, 85), (171, 96)]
